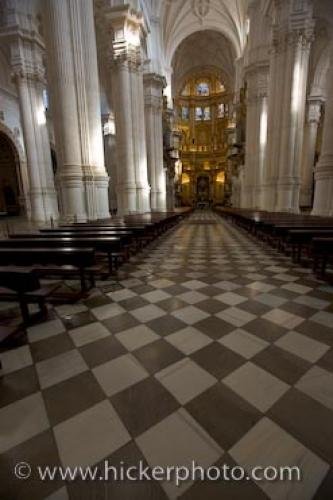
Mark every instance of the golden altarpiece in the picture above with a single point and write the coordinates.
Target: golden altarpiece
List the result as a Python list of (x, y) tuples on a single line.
[(204, 118)]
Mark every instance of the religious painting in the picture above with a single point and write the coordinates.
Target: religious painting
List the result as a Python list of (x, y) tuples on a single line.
[(203, 188)]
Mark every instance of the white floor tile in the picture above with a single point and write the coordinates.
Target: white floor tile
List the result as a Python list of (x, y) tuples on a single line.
[(136, 337), (302, 346), (256, 385), (54, 370), (45, 330), (15, 359), (88, 333), (107, 311), (90, 436), (269, 445), (185, 380), (243, 343), (318, 384), (120, 373), (178, 440), (190, 315), (22, 420), (148, 313), (188, 340)]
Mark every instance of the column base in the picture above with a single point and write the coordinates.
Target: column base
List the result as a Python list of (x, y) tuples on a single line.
[(305, 198), (268, 193), (143, 198), (158, 201), (126, 199), (102, 196), (323, 198), (73, 206), (287, 196), (41, 206)]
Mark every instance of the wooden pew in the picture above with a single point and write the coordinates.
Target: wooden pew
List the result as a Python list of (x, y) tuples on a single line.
[(23, 286), (322, 250), (111, 246), (298, 238), (69, 261)]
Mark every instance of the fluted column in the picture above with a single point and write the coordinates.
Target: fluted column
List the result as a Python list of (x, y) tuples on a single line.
[(128, 102), (42, 194), (73, 79), (274, 114), (153, 85), (296, 47), (309, 150), (323, 197), (256, 135)]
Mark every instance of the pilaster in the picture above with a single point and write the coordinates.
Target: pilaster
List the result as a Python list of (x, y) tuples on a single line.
[(128, 32), (309, 148), (26, 53), (323, 196), (153, 88), (73, 80)]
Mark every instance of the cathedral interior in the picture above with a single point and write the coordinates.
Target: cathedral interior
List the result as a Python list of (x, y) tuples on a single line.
[(166, 249)]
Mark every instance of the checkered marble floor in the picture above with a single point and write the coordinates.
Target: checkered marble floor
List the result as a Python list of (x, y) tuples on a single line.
[(209, 346)]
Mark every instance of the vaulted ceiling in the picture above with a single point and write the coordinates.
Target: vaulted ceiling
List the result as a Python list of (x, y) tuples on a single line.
[(181, 18), (203, 50)]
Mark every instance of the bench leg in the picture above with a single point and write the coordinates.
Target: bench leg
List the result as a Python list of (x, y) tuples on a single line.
[(83, 281), (110, 262), (42, 307), (24, 310)]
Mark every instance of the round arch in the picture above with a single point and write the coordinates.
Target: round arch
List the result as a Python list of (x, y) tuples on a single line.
[(174, 43), (180, 19), (20, 167)]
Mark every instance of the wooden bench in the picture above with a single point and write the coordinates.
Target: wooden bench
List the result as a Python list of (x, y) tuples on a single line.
[(322, 249), (300, 238), (23, 286), (111, 246), (69, 261)]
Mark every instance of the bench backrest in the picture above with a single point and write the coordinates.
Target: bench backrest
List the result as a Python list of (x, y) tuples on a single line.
[(19, 281)]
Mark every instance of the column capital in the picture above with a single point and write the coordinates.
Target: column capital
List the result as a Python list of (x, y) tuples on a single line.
[(128, 32), (314, 110), (153, 88), (154, 80)]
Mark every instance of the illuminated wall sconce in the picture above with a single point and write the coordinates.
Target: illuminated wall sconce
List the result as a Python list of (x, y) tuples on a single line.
[(185, 179), (220, 177)]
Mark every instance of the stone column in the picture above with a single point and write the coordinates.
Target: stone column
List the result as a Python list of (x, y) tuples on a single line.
[(128, 100), (294, 35), (110, 153), (323, 197), (256, 135), (271, 165), (153, 85), (73, 79), (42, 194), (309, 150), (292, 38)]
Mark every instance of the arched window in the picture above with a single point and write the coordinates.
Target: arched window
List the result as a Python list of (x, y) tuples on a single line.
[(199, 113), (206, 113), (185, 113), (203, 88)]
